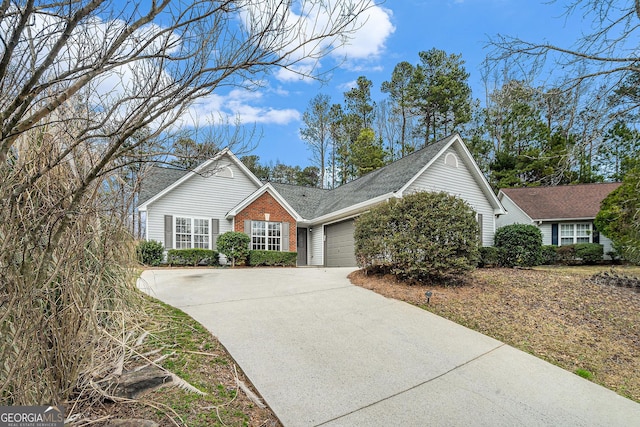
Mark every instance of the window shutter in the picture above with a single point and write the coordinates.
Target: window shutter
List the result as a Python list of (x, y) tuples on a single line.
[(247, 231), (215, 231), (554, 234), (168, 232), (285, 237), (480, 231), (596, 234)]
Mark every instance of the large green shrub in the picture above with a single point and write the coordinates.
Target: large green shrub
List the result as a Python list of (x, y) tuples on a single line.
[(566, 254), (149, 252), (420, 237), (235, 246), (490, 256), (193, 257), (589, 253), (549, 255), (618, 218), (521, 243), (270, 258)]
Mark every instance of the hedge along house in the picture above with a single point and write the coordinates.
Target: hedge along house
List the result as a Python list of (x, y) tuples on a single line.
[(190, 209), (564, 214)]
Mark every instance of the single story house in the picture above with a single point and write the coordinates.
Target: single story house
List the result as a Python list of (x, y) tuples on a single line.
[(185, 209), (564, 214)]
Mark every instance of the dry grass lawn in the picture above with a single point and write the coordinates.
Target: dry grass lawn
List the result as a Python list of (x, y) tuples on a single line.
[(554, 313)]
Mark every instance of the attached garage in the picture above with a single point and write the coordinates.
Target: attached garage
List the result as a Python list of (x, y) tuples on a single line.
[(339, 244)]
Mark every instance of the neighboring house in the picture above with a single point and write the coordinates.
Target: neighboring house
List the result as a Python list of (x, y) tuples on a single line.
[(564, 214), (190, 209)]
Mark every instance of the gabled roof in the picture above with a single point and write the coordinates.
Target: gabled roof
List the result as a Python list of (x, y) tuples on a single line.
[(357, 195), (388, 181), (160, 181), (267, 188), (580, 201)]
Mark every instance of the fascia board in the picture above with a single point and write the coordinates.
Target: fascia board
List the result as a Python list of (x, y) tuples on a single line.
[(353, 209), (266, 188)]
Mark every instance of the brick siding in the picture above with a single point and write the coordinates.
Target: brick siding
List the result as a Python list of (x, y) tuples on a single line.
[(266, 204)]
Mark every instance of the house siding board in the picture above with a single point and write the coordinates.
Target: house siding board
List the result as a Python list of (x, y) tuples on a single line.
[(459, 182), (515, 216), (202, 197), (316, 245)]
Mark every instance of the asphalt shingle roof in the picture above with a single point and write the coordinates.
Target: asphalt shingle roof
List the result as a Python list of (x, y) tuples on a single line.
[(314, 202), (156, 179), (561, 202)]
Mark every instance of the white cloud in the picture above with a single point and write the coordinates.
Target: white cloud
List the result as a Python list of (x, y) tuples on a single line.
[(370, 38), (237, 104), (306, 22)]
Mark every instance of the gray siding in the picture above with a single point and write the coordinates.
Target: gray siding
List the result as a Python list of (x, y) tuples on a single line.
[(514, 215), (460, 182), (201, 197), (545, 228)]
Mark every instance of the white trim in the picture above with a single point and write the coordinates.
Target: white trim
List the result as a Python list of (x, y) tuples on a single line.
[(501, 195), (266, 188), (498, 209), (353, 210), (192, 218), (198, 170)]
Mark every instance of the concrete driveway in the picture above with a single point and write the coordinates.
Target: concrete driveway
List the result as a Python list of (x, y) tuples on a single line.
[(323, 352)]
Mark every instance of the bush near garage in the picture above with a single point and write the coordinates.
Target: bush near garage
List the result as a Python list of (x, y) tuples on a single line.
[(150, 252), (521, 245), (423, 236), (192, 257), (272, 258)]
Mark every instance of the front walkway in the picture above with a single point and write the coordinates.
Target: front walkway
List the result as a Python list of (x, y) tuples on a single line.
[(323, 352)]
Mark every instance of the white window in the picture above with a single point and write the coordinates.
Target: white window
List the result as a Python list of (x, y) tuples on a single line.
[(192, 233), (575, 233), (266, 235)]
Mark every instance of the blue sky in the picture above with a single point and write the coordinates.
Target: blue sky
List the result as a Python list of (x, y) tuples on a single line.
[(395, 31)]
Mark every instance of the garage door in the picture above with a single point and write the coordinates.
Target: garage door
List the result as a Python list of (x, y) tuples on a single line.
[(339, 245)]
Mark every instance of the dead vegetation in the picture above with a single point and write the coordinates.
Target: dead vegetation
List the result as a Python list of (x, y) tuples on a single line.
[(558, 314), (208, 388)]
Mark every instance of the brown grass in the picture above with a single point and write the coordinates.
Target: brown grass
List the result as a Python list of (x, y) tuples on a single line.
[(196, 357), (554, 313)]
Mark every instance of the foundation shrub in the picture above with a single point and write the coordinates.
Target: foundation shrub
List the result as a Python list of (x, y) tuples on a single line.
[(521, 245), (272, 258), (421, 237), (192, 257), (150, 252)]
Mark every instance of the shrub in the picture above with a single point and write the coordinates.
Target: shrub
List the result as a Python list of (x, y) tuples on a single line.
[(285, 259), (235, 246), (193, 257), (566, 254), (490, 256), (521, 243), (589, 253), (420, 237), (150, 252), (549, 255)]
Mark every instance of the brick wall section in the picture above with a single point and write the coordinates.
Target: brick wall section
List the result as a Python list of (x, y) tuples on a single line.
[(266, 204)]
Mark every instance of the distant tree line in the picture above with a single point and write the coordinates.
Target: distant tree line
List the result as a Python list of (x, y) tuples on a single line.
[(524, 135)]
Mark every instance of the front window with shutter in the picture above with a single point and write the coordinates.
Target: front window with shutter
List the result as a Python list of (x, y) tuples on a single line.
[(192, 233), (266, 235)]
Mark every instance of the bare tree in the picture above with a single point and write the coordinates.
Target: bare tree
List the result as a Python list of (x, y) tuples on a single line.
[(79, 82), (316, 132), (608, 56)]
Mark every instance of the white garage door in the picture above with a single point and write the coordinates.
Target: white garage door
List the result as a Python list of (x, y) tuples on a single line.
[(339, 244)]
